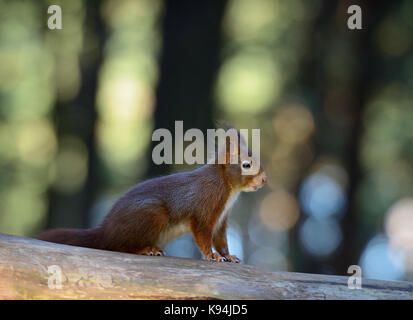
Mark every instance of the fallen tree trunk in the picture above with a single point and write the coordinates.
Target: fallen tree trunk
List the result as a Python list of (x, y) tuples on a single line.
[(26, 272)]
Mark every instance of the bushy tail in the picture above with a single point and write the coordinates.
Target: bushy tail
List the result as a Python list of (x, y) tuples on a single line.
[(88, 238)]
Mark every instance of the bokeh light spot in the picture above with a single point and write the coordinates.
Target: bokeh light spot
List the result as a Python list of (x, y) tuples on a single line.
[(293, 124), (380, 261), (320, 237), (321, 196), (248, 82), (279, 210)]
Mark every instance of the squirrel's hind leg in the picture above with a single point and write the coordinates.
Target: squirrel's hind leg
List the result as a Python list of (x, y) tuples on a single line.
[(151, 251)]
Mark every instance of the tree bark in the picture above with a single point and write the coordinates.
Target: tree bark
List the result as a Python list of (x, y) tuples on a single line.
[(98, 274)]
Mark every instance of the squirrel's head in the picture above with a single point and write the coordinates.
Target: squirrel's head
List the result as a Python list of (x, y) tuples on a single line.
[(241, 167)]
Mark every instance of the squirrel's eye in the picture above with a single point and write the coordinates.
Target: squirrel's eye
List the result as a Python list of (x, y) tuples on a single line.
[(246, 165)]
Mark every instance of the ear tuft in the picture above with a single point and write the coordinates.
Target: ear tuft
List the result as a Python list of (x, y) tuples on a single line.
[(221, 124)]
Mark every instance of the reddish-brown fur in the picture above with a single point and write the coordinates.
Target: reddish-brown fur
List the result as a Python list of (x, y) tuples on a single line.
[(148, 212)]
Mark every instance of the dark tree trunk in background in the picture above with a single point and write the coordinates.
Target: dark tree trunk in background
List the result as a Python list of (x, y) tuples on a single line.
[(310, 82), (78, 118), (352, 243), (341, 141), (188, 66)]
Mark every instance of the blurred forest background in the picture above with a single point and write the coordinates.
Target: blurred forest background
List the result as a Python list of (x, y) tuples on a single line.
[(335, 107)]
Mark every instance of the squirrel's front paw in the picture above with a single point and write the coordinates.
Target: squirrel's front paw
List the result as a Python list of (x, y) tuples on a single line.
[(231, 258), (215, 257)]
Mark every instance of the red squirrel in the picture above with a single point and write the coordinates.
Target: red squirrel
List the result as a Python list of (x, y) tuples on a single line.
[(158, 210)]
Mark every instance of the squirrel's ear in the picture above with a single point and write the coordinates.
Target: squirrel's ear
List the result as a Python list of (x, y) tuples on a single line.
[(235, 135), (231, 149), (232, 146), (223, 125), (242, 141)]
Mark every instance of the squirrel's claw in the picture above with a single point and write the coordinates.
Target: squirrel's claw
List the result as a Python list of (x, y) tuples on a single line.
[(160, 253), (231, 258), (215, 257), (151, 251)]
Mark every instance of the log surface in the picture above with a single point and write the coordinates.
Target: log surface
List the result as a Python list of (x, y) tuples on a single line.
[(98, 274)]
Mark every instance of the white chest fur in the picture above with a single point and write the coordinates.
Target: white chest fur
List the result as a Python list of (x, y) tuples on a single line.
[(172, 232), (233, 196), (182, 228)]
